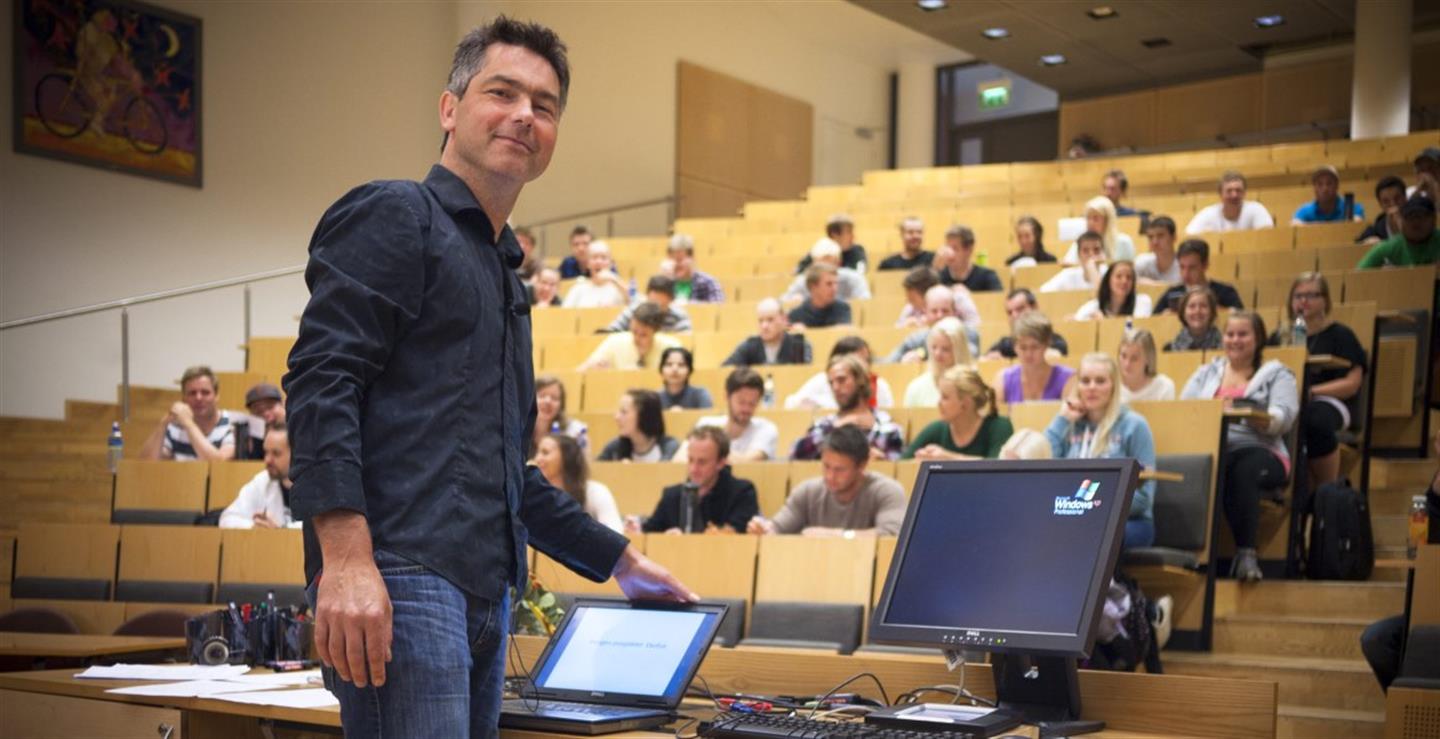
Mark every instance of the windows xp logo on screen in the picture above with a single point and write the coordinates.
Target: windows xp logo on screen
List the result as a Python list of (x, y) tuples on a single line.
[(1081, 502)]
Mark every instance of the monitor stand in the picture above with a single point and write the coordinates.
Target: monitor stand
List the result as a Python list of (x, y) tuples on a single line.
[(1043, 691)]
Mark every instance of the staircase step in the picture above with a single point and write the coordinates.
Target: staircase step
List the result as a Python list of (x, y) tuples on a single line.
[(1368, 601), (1304, 681), (1406, 474), (1305, 722), (1294, 636), (1389, 531), (1393, 501)]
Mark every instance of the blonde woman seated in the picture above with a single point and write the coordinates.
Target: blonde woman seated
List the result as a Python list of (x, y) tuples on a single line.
[(562, 462), (550, 415), (1087, 275), (1139, 380), (1117, 296), (969, 427), (945, 347), (1094, 424), (1033, 377), (1100, 217)]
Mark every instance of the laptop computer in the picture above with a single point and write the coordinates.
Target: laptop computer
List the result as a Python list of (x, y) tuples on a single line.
[(615, 665)]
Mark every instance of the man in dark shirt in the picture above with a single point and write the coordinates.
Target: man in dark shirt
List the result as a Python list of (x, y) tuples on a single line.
[(573, 266), (841, 230), (1390, 191), (824, 307), (912, 242), (1194, 259), (721, 500), (960, 267), (1019, 302), (1115, 185), (774, 344), (411, 405)]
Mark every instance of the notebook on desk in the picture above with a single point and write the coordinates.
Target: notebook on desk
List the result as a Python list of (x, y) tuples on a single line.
[(615, 666)]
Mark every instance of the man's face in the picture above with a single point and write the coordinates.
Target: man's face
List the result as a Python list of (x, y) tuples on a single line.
[(1232, 193), (772, 325), (1016, 306), (506, 123), (1192, 270), (1161, 240), (1110, 186), (960, 251), (1427, 166), (1417, 227), (743, 403), (268, 410), (684, 264), (199, 394), (845, 237), (1326, 187), (938, 307), (843, 385), (547, 283), (643, 335), (842, 474), (822, 294), (277, 455), (597, 260), (912, 235), (1391, 197), (1091, 249), (579, 243), (704, 462)]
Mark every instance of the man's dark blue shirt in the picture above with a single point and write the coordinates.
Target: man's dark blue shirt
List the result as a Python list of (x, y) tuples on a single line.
[(411, 392)]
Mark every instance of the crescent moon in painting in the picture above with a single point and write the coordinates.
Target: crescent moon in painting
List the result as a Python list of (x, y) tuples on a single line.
[(174, 41)]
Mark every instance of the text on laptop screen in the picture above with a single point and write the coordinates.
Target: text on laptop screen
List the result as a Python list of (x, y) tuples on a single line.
[(1003, 551), (623, 650)]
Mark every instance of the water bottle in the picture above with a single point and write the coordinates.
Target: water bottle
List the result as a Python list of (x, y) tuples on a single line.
[(1419, 526), (115, 448), (769, 399), (632, 290), (1129, 325), (1297, 334)]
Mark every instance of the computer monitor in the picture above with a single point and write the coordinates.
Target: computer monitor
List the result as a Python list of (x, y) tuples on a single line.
[(1014, 558)]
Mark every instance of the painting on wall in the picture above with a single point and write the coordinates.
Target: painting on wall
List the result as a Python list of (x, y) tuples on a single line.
[(109, 83)]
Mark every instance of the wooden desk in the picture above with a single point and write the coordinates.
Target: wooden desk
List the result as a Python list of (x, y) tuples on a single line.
[(1162, 476), (1327, 361), (20, 644)]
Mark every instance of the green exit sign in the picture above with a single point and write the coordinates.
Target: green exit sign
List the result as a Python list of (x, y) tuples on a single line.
[(994, 95)]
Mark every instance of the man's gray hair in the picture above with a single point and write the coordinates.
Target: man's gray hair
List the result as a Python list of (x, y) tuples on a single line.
[(470, 52), (681, 242)]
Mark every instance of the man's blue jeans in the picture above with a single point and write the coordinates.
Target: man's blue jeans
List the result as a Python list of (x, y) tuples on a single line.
[(447, 665)]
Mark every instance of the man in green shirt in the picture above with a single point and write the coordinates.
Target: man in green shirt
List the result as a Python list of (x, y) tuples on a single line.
[(1416, 244)]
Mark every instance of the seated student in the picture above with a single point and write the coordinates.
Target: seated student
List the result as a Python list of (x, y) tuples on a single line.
[(691, 285), (916, 312), (640, 426), (752, 438), (602, 287), (1194, 259), (637, 348), (1117, 296), (815, 392), (1390, 191), (1094, 424), (563, 464), (849, 284), (1418, 243), (195, 428), (722, 499), (1139, 379), (939, 305), (847, 500), (774, 344), (1029, 236), (676, 366), (956, 263), (1019, 302), (912, 245), (1100, 218), (1334, 393), (1087, 275), (1033, 377), (545, 290), (969, 425), (841, 230), (266, 406), (1427, 174), (823, 306), (264, 502), (531, 263), (1233, 212), (660, 290), (850, 383), (550, 415), (1256, 460), (1160, 264), (1327, 206), (1115, 186), (1197, 314), (945, 347), (578, 263)]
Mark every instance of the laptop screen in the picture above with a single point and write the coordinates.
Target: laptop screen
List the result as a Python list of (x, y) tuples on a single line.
[(605, 649)]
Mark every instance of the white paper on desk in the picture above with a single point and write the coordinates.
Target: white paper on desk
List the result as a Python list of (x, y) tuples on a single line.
[(186, 689), (275, 679), (302, 698), (164, 672)]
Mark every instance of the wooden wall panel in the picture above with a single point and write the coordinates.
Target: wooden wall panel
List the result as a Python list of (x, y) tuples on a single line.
[(779, 152), (697, 198), (713, 127), (1300, 94), (1204, 110), (1115, 121)]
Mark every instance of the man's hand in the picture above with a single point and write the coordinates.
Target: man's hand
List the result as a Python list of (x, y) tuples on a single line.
[(262, 521), (760, 525), (641, 578), (182, 413), (352, 607), (914, 355), (632, 524), (930, 451)]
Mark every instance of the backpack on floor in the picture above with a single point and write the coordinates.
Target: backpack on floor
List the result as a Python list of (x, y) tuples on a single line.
[(1125, 638), (1341, 545)]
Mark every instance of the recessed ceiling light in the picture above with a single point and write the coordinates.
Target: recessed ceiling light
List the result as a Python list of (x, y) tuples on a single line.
[(995, 34), (1159, 42), (1269, 21), (929, 5), (1052, 60), (1102, 12)]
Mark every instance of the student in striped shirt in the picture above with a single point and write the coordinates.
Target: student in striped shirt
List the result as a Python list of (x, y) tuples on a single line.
[(195, 428)]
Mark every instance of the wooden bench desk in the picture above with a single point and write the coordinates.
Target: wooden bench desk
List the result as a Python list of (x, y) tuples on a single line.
[(84, 646)]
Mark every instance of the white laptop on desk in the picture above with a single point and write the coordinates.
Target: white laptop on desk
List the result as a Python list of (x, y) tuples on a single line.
[(614, 665)]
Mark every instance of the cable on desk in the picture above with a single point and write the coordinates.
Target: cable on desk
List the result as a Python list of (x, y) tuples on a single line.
[(533, 702), (883, 695)]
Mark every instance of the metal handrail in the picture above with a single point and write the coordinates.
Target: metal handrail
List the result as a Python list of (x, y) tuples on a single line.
[(609, 214)]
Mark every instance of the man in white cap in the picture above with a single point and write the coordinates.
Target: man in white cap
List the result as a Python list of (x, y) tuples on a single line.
[(1327, 207)]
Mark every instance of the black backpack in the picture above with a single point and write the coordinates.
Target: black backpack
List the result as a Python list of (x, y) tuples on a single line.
[(1134, 644), (1341, 545)]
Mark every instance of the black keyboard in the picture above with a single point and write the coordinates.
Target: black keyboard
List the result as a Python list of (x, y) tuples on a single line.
[(764, 725)]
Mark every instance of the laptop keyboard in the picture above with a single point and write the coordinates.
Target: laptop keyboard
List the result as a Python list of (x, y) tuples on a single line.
[(586, 709)]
